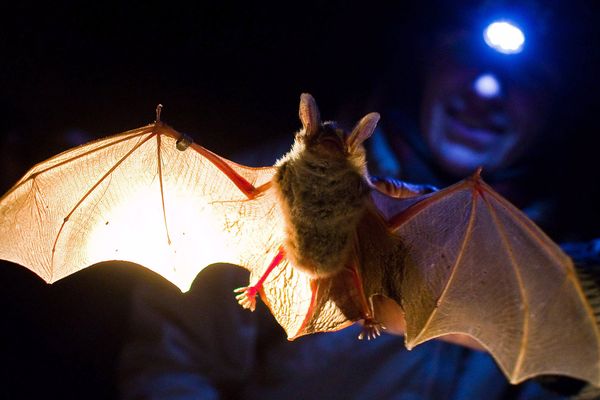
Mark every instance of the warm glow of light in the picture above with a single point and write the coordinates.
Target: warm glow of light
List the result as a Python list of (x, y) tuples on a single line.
[(505, 37), (135, 230)]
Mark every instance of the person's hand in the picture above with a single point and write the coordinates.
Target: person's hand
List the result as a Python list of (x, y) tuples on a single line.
[(400, 189)]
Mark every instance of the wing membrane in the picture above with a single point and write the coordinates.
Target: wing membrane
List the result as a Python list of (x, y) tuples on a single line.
[(135, 197), (478, 266)]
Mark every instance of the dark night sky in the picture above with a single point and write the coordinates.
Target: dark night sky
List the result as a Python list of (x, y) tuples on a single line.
[(230, 76), (220, 71)]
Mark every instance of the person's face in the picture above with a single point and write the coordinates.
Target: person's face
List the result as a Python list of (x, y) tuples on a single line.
[(466, 127)]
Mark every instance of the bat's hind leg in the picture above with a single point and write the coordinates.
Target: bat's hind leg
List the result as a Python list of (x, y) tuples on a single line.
[(371, 327), (247, 295)]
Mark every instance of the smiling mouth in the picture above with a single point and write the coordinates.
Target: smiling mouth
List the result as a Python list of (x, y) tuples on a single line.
[(494, 121), (474, 128)]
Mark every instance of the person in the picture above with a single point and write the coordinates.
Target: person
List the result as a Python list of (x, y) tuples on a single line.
[(474, 112), (519, 116)]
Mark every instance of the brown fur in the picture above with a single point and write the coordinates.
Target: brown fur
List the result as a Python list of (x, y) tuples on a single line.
[(323, 191)]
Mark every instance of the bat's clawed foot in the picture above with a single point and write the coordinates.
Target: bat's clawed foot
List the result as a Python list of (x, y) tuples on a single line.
[(247, 297), (371, 329)]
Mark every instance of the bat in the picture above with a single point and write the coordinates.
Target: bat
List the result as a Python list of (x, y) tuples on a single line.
[(326, 245)]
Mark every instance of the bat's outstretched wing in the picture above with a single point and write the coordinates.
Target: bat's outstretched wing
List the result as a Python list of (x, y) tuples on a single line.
[(476, 265), (151, 197), (135, 196)]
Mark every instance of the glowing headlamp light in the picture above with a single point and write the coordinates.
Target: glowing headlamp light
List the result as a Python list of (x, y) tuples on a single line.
[(504, 37)]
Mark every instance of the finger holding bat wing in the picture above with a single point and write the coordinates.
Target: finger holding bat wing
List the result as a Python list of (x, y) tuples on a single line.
[(325, 246)]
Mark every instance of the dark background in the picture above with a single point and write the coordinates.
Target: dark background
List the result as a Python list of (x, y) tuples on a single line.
[(230, 76), (233, 72)]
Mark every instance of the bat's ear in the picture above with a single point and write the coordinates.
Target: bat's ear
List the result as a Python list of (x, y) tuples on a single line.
[(309, 114), (363, 130)]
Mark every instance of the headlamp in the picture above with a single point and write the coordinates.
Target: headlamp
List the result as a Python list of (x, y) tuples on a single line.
[(504, 37)]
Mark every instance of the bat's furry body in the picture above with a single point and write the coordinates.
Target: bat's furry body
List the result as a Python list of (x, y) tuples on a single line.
[(323, 195)]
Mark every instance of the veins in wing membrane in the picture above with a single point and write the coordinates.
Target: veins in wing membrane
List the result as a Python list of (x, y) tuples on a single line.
[(136, 146), (33, 173), (522, 291), (457, 262)]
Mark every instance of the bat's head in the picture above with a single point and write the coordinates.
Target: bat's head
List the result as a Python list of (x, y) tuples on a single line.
[(328, 141)]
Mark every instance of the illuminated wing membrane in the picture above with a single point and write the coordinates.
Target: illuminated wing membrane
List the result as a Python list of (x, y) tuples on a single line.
[(136, 197)]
